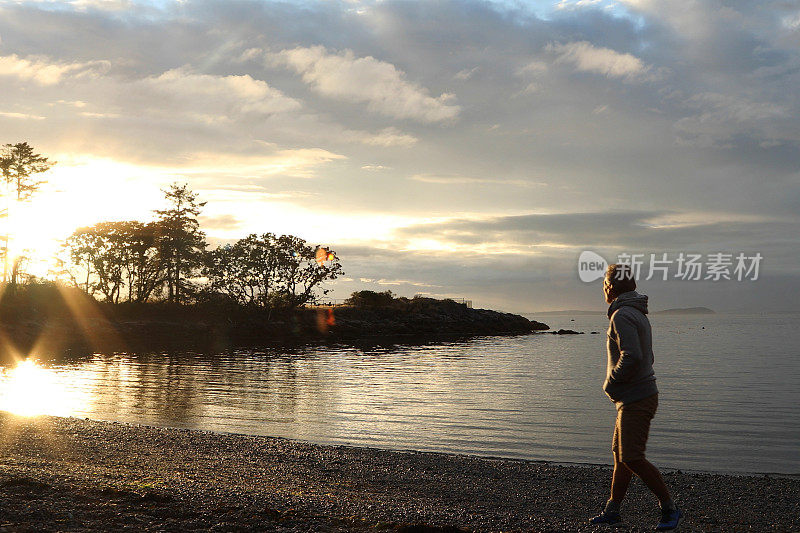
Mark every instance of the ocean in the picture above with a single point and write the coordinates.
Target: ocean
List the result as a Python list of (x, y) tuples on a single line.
[(729, 396)]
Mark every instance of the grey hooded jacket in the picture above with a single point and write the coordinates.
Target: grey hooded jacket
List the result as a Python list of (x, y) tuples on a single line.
[(629, 374)]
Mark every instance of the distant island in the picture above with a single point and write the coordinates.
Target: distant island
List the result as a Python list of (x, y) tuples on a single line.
[(686, 311)]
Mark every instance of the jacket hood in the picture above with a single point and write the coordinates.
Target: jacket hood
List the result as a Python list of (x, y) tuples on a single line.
[(630, 298)]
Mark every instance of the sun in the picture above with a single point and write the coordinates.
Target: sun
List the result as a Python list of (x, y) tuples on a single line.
[(29, 389), (77, 192)]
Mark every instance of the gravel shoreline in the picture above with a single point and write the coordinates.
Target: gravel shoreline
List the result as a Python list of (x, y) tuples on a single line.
[(66, 474)]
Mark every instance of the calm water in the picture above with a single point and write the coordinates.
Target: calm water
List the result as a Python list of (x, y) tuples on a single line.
[(730, 399)]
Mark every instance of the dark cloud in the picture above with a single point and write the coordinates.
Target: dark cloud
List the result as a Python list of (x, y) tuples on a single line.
[(635, 230)]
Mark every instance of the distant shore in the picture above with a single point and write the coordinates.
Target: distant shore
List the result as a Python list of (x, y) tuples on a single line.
[(65, 474), (686, 311)]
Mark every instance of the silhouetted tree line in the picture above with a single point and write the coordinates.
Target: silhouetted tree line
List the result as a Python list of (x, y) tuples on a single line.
[(368, 298), (169, 260)]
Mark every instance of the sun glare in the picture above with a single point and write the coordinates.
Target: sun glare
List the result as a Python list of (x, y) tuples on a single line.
[(82, 191), (29, 389), (77, 192)]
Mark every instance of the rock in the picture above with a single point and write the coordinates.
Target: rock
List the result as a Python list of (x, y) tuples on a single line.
[(539, 326)]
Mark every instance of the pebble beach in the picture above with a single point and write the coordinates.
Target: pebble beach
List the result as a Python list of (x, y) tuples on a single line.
[(68, 474)]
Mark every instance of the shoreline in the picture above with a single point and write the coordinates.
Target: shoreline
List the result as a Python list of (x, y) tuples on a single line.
[(568, 464), (71, 474)]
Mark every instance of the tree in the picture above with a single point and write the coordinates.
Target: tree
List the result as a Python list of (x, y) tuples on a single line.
[(248, 270), (98, 248), (181, 243), (144, 268), (116, 256), (302, 273), (371, 299), (19, 164), (269, 271)]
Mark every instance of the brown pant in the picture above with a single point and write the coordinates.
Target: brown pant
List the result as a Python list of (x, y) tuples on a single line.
[(632, 429)]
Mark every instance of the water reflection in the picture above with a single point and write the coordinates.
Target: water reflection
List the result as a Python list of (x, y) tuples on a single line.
[(535, 397), (29, 389)]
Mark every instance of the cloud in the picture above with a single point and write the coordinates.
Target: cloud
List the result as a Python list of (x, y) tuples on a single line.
[(386, 137), (585, 57), (533, 68), (725, 107), (45, 71), (299, 163), (243, 193), (109, 5), (384, 281), (466, 73), (91, 114), (792, 21), (577, 4), (721, 117), (466, 180), (346, 92), (83, 5), (379, 84), (634, 231), (221, 222), (22, 116), (695, 19), (212, 97)]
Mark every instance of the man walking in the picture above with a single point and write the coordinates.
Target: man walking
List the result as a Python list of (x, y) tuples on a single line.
[(631, 384)]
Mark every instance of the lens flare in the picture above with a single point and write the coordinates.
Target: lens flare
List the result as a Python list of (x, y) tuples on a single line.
[(324, 254), (29, 389)]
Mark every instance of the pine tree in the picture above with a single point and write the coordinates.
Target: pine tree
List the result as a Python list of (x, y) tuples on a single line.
[(19, 164), (181, 242)]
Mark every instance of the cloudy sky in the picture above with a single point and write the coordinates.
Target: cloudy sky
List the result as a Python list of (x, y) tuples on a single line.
[(454, 148)]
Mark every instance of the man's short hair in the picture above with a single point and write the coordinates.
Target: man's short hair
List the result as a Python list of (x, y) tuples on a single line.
[(620, 277)]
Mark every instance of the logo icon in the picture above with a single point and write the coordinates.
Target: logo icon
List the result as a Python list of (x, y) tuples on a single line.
[(591, 266)]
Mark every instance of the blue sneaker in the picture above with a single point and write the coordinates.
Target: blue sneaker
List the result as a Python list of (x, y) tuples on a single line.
[(606, 519), (670, 520)]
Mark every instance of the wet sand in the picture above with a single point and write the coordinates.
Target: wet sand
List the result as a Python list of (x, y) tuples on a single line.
[(65, 474)]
